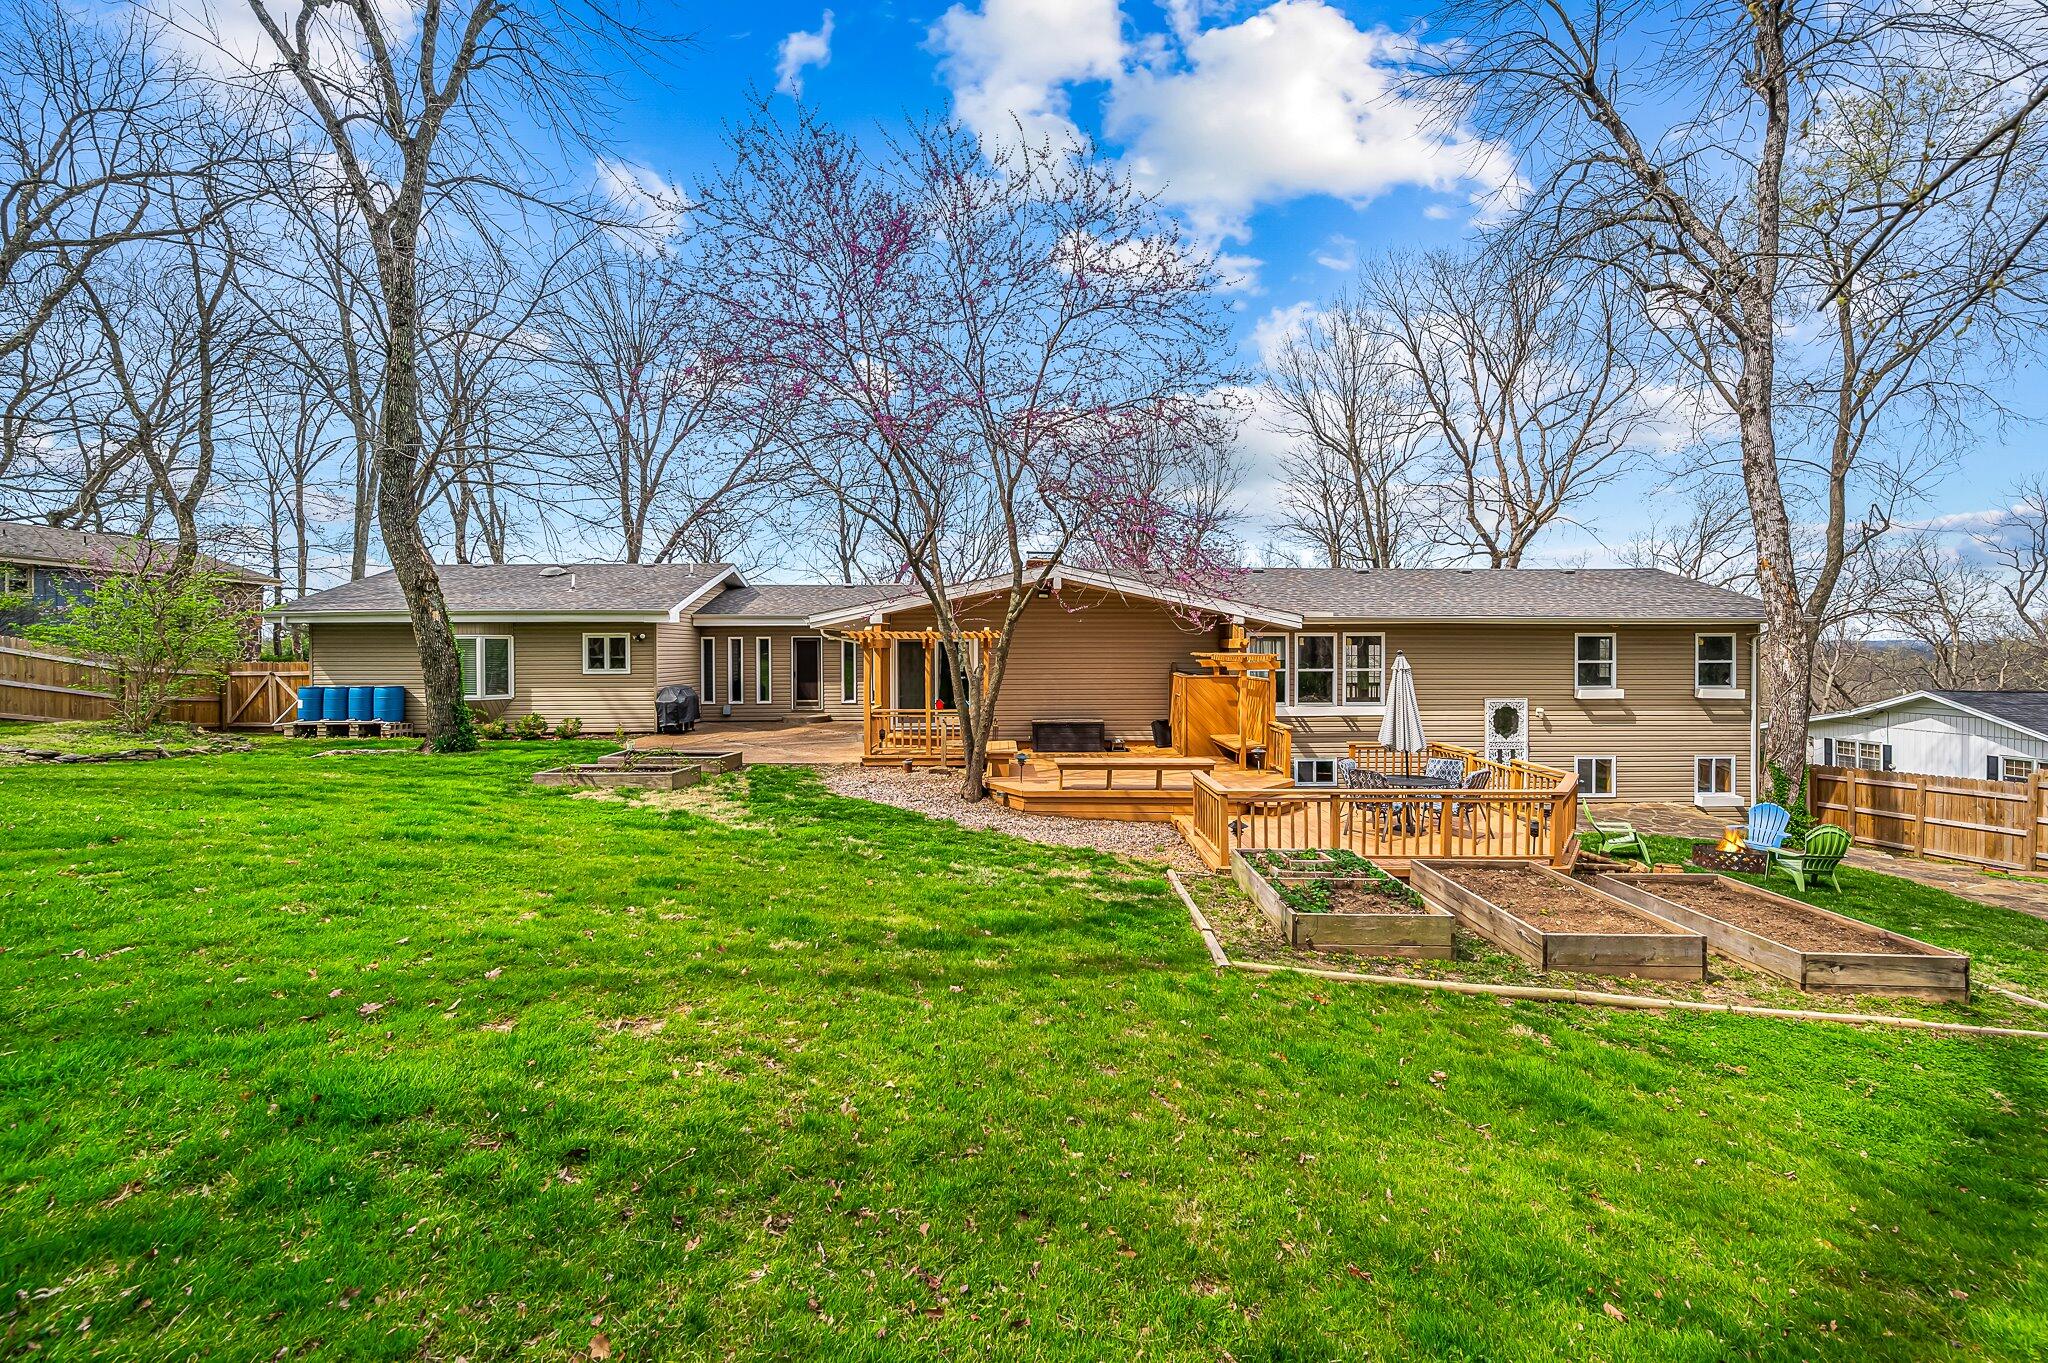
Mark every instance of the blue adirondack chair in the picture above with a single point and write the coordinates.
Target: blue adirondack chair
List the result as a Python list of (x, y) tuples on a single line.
[(1765, 831)]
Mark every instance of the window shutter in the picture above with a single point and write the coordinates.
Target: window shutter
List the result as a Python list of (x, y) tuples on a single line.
[(1827, 752), (1991, 772), (1887, 757)]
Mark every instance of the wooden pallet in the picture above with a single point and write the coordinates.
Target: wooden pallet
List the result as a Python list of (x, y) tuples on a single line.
[(345, 728)]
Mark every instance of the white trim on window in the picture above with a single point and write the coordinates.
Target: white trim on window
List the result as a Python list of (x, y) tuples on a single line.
[(1718, 690), (2017, 769), (1589, 777), (795, 703), (623, 655), (1331, 669), (707, 669), (1322, 771), (1373, 673), (849, 672), (1717, 792), (735, 669), (1596, 690), (764, 669), (1281, 648), (478, 648), (16, 580)]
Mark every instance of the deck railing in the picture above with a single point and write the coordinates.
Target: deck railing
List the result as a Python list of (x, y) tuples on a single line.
[(915, 733), (1468, 824), (1516, 775)]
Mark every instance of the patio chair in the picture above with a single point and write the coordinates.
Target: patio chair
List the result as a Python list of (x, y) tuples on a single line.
[(1445, 769), (1765, 831), (1462, 809), (1618, 837), (1819, 855)]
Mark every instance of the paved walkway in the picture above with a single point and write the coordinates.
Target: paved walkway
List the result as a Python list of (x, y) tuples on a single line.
[(834, 743), (2024, 895)]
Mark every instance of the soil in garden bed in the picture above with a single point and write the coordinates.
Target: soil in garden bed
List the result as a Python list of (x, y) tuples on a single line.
[(1554, 904), (1360, 899), (1780, 923)]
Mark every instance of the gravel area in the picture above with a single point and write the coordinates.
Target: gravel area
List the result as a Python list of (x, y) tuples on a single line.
[(937, 793)]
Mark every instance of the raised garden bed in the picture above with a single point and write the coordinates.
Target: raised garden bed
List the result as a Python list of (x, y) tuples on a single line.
[(1556, 923), (1810, 946), (669, 769), (1344, 903)]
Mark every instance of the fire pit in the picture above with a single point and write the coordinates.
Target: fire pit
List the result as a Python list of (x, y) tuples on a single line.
[(1731, 853)]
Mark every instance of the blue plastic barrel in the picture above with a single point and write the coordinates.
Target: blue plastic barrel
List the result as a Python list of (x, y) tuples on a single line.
[(334, 704), (390, 705), (310, 702), (361, 702)]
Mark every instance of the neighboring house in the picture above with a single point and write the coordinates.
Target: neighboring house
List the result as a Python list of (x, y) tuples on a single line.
[(1994, 735), (1640, 681), (53, 567)]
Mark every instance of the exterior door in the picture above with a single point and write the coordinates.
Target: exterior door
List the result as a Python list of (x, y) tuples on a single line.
[(910, 676), (1507, 730), (807, 671)]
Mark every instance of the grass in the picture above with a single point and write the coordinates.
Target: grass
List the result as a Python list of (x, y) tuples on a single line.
[(389, 1056), (94, 736)]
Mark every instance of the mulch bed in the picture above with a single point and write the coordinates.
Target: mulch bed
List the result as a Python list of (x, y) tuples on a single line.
[(1781, 924), (1553, 906)]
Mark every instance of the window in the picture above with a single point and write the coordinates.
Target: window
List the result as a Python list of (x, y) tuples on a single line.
[(849, 672), (14, 579), (764, 670), (486, 661), (1363, 658), (1713, 780), (607, 653), (1713, 663), (735, 657), (1594, 674), (1853, 752), (2014, 768), (1275, 644), (707, 669), (1315, 669), (1596, 777), (1315, 771)]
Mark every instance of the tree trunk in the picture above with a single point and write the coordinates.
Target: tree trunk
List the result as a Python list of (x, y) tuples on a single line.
[(399, 449)]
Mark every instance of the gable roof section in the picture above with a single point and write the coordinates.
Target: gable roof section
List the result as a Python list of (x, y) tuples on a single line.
[(797, 602), (649, 591), (901, 599), (2026, 711), (46, 546), (1485, 594)]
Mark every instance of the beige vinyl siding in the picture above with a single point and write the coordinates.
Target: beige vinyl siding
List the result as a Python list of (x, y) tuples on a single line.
[(1653, 732), (675, 657), (782, 674), (1088, 655), (547, 670)]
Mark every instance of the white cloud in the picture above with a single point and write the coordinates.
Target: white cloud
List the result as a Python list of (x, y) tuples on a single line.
[(1009, 62), (650, 208), (1339, 253), (1279, 326), (801, 49), (1292, 101)]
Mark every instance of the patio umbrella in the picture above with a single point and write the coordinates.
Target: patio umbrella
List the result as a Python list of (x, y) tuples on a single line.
[(1401, 730)]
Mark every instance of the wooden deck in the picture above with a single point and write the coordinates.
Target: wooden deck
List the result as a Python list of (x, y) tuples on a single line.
[(1129, 796)]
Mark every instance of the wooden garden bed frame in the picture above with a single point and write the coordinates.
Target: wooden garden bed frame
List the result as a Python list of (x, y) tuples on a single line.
[(1676, 953), (1925, 971), (668, 770), (1424, 934)]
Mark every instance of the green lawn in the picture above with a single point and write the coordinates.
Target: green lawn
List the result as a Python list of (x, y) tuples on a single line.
[(388, 1056)]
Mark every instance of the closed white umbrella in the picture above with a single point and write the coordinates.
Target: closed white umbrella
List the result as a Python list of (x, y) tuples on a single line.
[(1401, 730)]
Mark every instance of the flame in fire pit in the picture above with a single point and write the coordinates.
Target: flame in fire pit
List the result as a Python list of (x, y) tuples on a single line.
[(1732, 841)]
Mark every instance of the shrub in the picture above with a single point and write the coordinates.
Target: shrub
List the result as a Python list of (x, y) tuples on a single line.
[(494, 728), (530, 726), (569, 727)]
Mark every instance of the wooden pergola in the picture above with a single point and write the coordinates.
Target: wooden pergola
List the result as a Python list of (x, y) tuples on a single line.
[(927, 734)]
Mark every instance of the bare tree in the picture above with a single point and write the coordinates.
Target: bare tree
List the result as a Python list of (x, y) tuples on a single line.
[(1354, 467), (1708, 543), (1702, 165), (673, 449), (2018, 547), (990, 352), (412, 109)]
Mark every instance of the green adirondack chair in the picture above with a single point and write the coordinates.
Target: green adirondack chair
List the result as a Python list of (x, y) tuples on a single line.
[(1618, 837), (1819, 854)]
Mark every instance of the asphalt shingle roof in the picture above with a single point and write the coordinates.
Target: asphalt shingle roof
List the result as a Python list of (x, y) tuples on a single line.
[(2027, 709), (798, 601), (524, 588), (27, 542), (1494, 593)]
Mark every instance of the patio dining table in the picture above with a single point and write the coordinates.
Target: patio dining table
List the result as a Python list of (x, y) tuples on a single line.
[(1419, 782)]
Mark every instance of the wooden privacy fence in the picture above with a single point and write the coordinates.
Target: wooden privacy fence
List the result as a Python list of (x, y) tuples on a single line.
[(1986, 823), (41, 682)]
